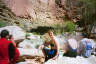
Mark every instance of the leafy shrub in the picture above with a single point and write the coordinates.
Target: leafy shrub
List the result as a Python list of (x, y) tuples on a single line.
[(3, 23), (69, 26), (58, 29), (35, 33), (27, 34)]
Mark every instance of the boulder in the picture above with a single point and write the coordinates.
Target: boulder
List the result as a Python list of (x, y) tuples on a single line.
[(31, 36), (69, 60), (32, 41), (65, 60), (16, 31), (26, 44), (30, 52), (30, 56)]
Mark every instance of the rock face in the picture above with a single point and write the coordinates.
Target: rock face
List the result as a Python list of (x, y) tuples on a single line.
[(24, 7), (29, 14), (72, 8), (41, 9), (34, 13), (44, 10), (16, 31)]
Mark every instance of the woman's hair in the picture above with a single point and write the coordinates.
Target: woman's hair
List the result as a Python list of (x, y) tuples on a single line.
[(51, 30), (10, 36), (46, 42), (4, 33)]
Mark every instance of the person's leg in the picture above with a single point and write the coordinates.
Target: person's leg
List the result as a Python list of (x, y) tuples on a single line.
[(50, 55), (88, 53), (45, 52), (46, 58)]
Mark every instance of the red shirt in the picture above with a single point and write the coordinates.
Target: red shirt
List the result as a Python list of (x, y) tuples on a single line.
[(4, 56)]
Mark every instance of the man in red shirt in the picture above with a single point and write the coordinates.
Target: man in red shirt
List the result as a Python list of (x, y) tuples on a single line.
[(7, 49)]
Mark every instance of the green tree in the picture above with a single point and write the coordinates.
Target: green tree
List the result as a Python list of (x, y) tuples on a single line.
[(88, 20)]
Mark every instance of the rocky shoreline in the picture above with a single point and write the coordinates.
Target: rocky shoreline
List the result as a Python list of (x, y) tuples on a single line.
[(30, 54)]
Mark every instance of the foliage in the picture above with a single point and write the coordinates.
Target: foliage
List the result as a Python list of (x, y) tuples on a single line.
[(88, 15), (69, 26), (89, 11), (3, 23), (58, 28), (27, 34), (35, 33)]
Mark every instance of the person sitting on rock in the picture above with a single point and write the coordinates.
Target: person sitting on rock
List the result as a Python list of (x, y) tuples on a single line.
[(85, 46), (71, 47), (50, 49)]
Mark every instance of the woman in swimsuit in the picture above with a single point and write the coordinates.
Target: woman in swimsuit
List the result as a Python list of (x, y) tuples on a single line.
[(52, 52)]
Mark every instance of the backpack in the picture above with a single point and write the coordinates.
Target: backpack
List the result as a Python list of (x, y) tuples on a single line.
[(88, 49), (88, 45)]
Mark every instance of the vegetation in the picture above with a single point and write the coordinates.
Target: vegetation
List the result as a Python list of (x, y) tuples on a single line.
[(67, 26), (82, 10), (88, 20), (27, 35), (3, 23), (70, 26)]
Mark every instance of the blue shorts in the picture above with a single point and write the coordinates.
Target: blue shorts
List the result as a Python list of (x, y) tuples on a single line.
[(49, 52)]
